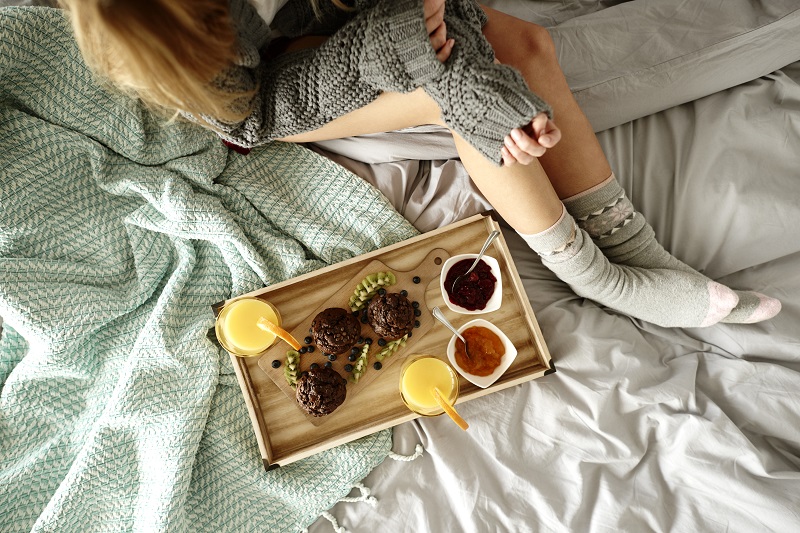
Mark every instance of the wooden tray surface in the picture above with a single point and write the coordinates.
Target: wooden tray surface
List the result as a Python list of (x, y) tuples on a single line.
[(427, 272), (285, 433)]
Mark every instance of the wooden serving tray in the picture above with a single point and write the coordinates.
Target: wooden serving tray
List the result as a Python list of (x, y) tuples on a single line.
[(285, 433)]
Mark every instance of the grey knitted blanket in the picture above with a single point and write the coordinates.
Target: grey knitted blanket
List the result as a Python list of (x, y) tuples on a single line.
[(117, 233)]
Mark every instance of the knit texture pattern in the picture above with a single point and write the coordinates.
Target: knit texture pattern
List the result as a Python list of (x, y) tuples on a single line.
[(383, 47), (304, 90), (118, 231)]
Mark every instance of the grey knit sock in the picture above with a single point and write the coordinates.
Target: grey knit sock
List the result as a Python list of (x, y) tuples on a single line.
[(625, 237), (662, 296)]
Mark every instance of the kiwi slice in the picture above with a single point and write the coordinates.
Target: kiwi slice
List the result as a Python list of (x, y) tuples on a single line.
[(360, 365), (292, 368), (368, 287), (391, 348)]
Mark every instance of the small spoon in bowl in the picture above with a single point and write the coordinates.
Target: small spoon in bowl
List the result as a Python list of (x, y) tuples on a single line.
[(492, 236), (438, 315)]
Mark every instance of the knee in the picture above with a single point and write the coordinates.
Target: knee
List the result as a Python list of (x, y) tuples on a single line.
[(536, 43), (517, 42)]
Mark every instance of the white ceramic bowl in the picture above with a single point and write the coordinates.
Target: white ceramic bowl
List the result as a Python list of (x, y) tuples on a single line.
[(505, 362), (497, 296)]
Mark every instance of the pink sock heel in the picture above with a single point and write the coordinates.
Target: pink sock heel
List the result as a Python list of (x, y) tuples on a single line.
[(721, 302)]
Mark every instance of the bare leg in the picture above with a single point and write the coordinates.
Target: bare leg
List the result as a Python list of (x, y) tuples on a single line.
[(521, 194), (390, 111), (577, 162)]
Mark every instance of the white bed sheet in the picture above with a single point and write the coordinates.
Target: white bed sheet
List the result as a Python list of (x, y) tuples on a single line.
[(642, 428)]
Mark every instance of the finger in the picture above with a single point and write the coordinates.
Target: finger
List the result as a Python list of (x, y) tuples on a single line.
[(431, 6), (444, 53), (508, 159), (539, 123), (526, 143), (434, 18), (439, 37), (519, 155), (551, 135)]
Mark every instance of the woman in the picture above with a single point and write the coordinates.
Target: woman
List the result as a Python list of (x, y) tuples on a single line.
[(390, 65)]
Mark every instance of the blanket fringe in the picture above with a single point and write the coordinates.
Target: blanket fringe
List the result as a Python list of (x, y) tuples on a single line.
[(365, 496), (366, 493), (332, 519), (417, 452)]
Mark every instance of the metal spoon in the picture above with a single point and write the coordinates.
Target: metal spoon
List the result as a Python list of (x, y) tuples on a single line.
[(492, 236), (438, 315)]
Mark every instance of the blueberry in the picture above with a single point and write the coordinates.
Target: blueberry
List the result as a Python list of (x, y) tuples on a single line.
[(364, 319), (328, 364), (308, 340), (304, 349), (360, 340), (368, 341), (377, 365), (276, 364), (415, 304), (417, 312), (381, 291), (404, 292), (309, 349), (409, 334), (348, 368), (314, 366), (352, 357), (416, 323), (416, 279), (355, 351), (381, 342), (332, 357)]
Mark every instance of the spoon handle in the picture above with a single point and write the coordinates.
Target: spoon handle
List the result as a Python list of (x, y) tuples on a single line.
[(492, 236), (438, 315)]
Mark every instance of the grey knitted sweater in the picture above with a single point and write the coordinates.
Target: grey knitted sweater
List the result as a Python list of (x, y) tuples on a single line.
[(382, 46)]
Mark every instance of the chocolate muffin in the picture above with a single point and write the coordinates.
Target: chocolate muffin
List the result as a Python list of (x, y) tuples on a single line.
[(335, 330), (320, 391), (391, 315)]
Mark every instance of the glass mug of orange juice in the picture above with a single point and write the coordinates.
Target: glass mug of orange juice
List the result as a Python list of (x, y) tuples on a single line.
[(238, 330), (422, 379)]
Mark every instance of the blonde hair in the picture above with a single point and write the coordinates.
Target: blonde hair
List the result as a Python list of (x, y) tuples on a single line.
[(166, 52)]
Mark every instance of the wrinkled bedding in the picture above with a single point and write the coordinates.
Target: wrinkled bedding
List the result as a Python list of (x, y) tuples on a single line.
[(641, 428)]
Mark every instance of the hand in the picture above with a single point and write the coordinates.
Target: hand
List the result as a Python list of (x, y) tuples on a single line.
[(524, 145), (437, 29)]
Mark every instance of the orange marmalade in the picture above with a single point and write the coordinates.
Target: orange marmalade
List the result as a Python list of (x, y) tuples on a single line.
[(486, 350)]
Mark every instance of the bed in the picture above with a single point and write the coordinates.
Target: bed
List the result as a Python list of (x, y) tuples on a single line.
[(642, 428)]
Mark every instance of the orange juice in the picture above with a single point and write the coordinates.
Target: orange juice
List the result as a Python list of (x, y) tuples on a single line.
[(237, 326), (420, 376)]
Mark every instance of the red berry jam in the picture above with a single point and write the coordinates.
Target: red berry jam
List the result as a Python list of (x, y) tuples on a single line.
[(472, 292)]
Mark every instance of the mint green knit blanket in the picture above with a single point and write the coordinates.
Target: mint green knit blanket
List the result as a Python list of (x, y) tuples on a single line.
[(118, 232)]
